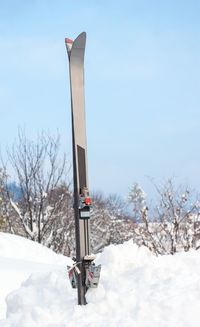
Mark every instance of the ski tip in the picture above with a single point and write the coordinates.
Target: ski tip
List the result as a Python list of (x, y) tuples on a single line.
[(68, 41)]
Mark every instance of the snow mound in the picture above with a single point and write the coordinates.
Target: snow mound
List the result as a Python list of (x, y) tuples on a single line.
[(17, 247), (19, 258), (136, 289)]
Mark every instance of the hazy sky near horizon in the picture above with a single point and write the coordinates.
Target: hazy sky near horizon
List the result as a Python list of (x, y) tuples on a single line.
[(142, 80)]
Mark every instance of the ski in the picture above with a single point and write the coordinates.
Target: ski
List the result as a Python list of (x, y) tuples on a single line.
[(84, 273)]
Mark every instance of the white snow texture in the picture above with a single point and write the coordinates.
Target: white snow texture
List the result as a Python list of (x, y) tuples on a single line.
[(136, 288)]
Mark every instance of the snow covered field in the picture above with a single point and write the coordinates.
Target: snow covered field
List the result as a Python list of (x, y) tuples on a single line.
[(136, 288)]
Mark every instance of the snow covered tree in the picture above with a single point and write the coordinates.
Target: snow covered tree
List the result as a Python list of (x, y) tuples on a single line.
[(177, 211), (5, 208), (137, 199), (170, 225), (1, 200), (109, 221), (40, 172)]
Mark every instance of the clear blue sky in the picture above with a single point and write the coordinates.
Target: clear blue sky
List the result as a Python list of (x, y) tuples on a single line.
[(142, 75)]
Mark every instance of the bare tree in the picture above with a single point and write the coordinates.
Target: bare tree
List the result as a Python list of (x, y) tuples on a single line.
[(40, 171), (62, 238)]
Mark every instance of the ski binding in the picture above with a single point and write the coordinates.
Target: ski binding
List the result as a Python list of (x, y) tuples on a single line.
[(92, 276), (73, 272), (92, 272)]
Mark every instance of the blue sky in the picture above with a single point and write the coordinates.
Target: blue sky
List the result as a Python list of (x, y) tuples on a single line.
[(142, 76)]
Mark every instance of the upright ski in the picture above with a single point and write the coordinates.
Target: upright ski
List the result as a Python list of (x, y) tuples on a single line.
[(84, 273)]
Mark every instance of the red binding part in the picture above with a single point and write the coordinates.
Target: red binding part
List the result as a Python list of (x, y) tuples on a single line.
[(88, 201)]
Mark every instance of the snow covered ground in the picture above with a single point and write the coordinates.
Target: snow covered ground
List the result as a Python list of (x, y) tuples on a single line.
[(136, 288), (19, 258)]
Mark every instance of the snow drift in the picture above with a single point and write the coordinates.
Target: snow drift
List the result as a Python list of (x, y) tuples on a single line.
[(136, 289), (19, 258)]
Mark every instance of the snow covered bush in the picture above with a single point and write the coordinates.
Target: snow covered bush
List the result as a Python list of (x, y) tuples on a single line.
[(170, 226)]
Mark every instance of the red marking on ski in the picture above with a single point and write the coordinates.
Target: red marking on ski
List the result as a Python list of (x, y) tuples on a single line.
[(69, 41)]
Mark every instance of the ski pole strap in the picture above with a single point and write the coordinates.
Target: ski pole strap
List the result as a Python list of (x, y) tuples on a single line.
[(74, 267)]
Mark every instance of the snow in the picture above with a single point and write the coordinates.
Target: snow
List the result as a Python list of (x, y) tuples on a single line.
[(136, 288), (19, 258)]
